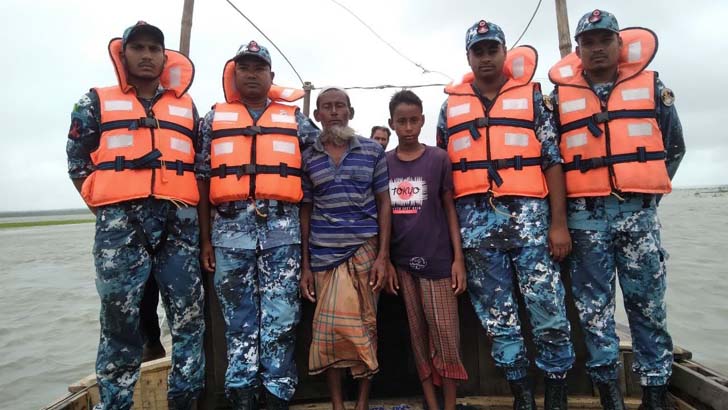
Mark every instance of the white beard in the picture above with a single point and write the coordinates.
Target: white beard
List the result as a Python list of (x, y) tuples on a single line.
[(338, 135)]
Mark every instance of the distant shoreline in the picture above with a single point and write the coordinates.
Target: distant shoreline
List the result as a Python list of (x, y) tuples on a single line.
[(28, 224)]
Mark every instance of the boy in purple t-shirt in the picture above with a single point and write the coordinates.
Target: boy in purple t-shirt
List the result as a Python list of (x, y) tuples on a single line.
[(426, 250)]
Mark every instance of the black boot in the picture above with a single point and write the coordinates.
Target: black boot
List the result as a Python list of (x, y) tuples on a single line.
[(654, 398), (556, 397), (523, 398), (243, 399), (610, 396), (273, 402)]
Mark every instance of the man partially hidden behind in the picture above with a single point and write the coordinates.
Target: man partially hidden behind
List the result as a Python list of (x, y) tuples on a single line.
[(381, 135), (345, 225), (131, 152), (251, 167), (622, 143)]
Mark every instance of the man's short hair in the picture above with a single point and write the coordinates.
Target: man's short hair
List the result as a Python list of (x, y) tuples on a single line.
[(328, 89), (404, 97), (378, 128)]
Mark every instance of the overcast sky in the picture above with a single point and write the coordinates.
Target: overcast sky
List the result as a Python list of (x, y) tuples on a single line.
[(54, 51)]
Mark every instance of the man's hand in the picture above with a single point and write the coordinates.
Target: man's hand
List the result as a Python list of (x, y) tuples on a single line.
[(559, 242), (307, 285), (392, 285), (207, 256), (457, 278), (379, 274)]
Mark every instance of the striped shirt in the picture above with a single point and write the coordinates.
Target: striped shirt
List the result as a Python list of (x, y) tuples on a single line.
[(344, 206)]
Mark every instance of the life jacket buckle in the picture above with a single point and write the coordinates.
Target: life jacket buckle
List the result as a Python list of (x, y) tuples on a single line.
[(252, 131), (518, 162), (119, 163), (148, 122), (601, 117), (283, 169), (482, 122), (463, 165), (641, 154), (223, 171)]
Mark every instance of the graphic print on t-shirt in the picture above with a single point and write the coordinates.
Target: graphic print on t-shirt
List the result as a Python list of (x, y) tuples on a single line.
[(407, 194)]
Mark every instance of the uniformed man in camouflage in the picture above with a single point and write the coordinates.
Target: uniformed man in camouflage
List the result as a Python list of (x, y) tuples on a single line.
[(622, 142), (254, 244), (147, 232), (511, 235)]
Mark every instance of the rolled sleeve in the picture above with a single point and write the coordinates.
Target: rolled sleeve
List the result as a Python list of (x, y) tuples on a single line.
[(202, 157), (83, 136), (546, 132), (672, 132), (308, 132)]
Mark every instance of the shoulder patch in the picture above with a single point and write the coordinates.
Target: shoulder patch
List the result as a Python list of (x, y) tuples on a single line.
[(668, 97), (548, 102)]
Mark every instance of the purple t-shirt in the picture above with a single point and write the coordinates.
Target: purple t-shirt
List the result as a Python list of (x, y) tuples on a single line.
[(420, 236)]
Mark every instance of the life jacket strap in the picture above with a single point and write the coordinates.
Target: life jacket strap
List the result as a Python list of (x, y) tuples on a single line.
[(517, 163), (641, 155)]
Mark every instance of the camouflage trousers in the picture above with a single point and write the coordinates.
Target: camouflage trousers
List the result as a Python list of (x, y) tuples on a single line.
[(490, 286), (258, 292), (123, 265), (639, 261)]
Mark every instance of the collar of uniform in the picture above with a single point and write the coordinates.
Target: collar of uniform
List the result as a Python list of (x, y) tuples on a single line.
[(353, 143)]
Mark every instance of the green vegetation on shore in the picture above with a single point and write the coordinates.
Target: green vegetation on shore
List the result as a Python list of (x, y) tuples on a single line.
[(27, 224)]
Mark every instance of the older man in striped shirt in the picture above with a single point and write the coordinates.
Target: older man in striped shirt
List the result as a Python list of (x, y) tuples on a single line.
[(345, 226)]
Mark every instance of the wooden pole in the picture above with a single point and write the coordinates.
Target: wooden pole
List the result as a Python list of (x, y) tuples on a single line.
[(307, 87), (184, 37), (562, 23)]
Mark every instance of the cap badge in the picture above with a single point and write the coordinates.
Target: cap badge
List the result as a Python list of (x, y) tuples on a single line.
[(595, 16), (253, 46), (482, 27)]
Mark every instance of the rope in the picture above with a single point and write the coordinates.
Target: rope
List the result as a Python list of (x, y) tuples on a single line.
[(418, 65), (269, 40), (527, 25)]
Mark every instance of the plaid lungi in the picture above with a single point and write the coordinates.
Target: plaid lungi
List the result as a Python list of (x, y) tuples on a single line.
[(432, 313), (345, 320)]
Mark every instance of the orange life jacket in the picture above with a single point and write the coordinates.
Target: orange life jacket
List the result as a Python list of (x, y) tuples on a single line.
[(615, 146), (496, 150), (144, 154), (255, 159)]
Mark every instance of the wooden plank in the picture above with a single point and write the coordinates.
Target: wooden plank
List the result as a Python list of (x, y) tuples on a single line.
[(213, 396), (631, 380), (678, 403), (699, 387), (474, 402)]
